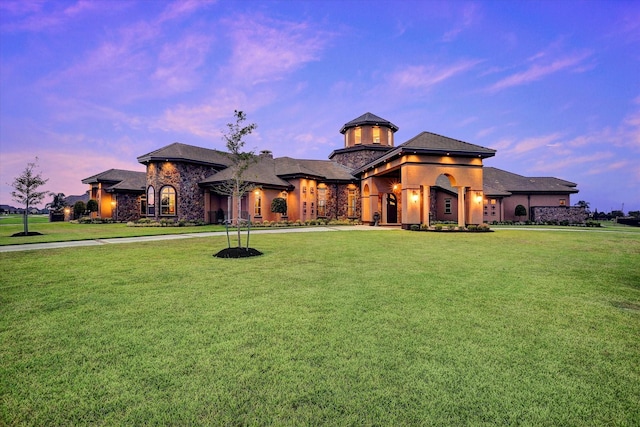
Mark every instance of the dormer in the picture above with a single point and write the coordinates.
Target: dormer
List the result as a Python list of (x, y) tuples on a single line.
[(368, 129)]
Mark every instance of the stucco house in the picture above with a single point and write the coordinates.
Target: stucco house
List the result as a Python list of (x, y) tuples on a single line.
[(427, 178)]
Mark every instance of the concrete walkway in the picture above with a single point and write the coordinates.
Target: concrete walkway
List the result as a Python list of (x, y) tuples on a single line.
[(118, 240)]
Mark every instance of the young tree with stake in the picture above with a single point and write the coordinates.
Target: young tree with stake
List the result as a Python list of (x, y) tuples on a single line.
[(25, 191), (236, 186)]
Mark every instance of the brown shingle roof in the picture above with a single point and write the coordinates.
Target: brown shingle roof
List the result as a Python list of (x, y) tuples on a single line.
[(262, 172), (187, 153), (441, 144), (120, 179), (368, 119), (500, 182), (274, 172), (431, 143)]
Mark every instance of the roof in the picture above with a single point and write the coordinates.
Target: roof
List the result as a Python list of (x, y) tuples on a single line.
[(498, 182), (431, 143), (368, 119), (71, 200), (261, 172), (438, 144), (123, 180), (268, 171), (324, 169), (187, 153)]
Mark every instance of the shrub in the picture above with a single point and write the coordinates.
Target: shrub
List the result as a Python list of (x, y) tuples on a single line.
[(78, 209), (92, 205), (415, 227)]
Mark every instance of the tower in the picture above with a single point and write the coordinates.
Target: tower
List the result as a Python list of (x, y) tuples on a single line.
[(365, 139)]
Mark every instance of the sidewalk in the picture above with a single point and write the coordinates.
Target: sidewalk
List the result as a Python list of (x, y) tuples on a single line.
[(118, 240)]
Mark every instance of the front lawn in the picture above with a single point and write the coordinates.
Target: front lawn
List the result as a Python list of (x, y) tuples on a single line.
[(66, 231), (358, 328)]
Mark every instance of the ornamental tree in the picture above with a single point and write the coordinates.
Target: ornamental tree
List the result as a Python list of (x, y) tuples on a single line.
[(236, 186), (520, 211), (25, 191), (279, 205)]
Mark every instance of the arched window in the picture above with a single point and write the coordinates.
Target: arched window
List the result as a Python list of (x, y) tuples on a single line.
[(151, 201), (167, 201)]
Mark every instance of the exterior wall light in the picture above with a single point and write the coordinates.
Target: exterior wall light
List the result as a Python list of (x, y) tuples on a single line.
[(478, 197), (415, 197)]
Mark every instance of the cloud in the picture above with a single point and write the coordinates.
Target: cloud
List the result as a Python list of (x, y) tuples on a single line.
[(178, 63), (424, 77), (486, 131), (469, 15), (265, 49), (529, 144), (62, 168), (180, 8), (39, 16), (538, 71)]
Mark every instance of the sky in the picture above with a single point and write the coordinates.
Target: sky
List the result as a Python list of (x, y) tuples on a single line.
[(553, 86)]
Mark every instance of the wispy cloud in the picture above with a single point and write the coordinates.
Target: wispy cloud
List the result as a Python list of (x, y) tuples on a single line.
[(423, 77), (534, 143), (178, 62), (265, 49), (38, 16), (180, 8), (469, 14), (539, 70)]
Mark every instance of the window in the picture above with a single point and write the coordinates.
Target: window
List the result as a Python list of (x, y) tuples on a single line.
[(351, 203), (447, 206), (257, 204), (322, 202), (563, 202), (311, 190), (167, 201), (304, 189), (376, 135), (312, 207), (151, 201), (143, 205), (389, 137), (304, 208), (358, 135), (493, 201)]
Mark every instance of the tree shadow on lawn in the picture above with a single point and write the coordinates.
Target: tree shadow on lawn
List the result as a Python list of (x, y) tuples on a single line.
[(30, 233)]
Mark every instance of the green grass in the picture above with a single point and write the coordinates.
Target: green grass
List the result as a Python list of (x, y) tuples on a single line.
[(336, 328), (65, 231)]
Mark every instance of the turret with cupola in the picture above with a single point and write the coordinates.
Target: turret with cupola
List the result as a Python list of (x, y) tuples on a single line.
[(365, 139)]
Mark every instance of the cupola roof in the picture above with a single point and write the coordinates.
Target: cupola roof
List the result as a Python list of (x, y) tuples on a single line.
[(368, 119)]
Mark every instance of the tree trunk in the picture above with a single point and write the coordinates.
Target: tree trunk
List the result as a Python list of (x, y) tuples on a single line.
[(25, 220), (239, 201)]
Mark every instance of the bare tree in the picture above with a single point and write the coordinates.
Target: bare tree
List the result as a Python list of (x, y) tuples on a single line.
[(25, 191), (236, 186)]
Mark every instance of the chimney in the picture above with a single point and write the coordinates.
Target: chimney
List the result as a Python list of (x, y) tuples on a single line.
[(266, 153)]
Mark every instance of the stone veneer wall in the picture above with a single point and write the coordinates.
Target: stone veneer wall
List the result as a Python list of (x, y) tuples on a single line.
[(184, 178), (573, 214), (128, 208), (356, 159), (337, 198)]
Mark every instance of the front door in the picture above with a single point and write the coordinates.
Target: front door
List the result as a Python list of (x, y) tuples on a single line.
[(392, 208)]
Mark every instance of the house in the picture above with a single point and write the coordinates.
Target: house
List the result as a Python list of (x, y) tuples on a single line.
[(427, 178)]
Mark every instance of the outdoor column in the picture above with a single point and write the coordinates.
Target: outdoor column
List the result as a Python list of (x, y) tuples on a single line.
[(426, 204), (461, 207)]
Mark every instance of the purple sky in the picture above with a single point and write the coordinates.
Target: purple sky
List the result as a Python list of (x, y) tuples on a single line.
[(553, 86)]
